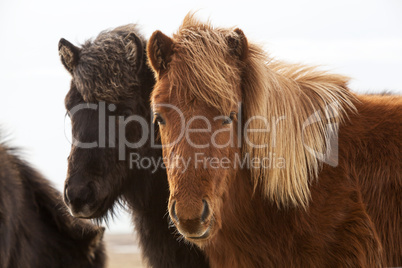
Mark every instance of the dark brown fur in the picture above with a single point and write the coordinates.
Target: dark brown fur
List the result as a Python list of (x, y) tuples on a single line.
[(36, 229), (112, 69), (321, 216)]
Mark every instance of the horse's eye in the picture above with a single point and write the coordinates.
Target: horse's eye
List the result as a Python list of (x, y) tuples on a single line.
[(127, 112), (159, 119), (229, 119)]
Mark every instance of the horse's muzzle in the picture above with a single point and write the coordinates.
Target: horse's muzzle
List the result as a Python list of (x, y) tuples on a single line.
[(197, 227), (79, 197)]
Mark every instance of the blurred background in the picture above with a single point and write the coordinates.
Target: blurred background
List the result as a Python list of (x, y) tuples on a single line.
[(361, 39)]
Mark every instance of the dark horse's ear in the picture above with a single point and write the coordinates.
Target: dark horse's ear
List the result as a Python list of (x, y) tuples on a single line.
[(95, 241), (237, 43), (86, 234), (160, 50), (135, 50), (69, 54)]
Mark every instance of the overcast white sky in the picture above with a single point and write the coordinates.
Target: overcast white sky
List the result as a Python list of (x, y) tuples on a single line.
[(360, 38)]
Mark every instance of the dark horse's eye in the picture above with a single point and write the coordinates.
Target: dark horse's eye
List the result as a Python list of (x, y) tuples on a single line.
[(127, 112), (158, 118), (229, 119)]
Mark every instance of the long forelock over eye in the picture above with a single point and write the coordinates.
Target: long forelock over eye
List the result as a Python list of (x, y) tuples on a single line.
[(202, 69)]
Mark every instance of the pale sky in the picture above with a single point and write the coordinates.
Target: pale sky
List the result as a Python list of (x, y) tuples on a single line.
[(361, 39)]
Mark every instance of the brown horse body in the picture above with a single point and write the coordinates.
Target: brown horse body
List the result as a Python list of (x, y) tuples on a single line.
[(354, 217), (36, 229), (310, 212)]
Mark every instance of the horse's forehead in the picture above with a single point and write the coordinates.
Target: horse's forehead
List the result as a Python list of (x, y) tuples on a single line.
[(105, 58), (166, 98), (96, 61), (161, 92), (103, 80)]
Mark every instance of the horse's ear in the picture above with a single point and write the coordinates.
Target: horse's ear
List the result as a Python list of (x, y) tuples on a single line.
[(135, 50), (96, 241), (160, 50), (237, 43), (69, 54)]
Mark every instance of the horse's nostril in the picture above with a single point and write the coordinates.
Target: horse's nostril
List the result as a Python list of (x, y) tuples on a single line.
[(78, 192), (66, 199), (205, 212), (173, 211)]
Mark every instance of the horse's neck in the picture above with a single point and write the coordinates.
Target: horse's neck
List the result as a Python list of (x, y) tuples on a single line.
[(240, 201), (370, 145), (147, 191), (241, 212), (372, 135), (251, 225), (143, 182)]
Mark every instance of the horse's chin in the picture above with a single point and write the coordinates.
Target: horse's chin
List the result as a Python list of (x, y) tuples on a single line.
[(204, 238), (89, 211), (84, 213), (200, 242)]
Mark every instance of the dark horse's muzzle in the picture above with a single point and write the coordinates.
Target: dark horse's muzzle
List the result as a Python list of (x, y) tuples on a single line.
[(79, 196)]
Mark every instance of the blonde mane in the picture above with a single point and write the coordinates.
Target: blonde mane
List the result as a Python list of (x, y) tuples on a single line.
[(307, 106), (291, 94)]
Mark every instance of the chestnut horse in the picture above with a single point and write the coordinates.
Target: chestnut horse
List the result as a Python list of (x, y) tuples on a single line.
[(271, 183), (108, 97)]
